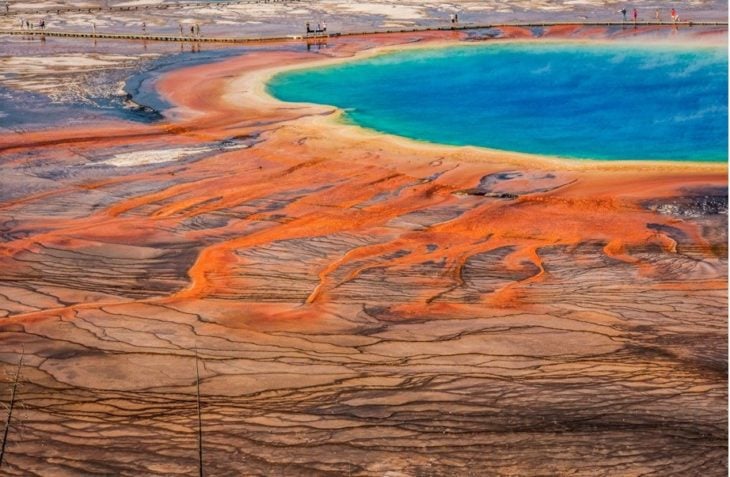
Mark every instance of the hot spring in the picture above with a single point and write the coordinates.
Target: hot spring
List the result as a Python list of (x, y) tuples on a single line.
[(606, 101)]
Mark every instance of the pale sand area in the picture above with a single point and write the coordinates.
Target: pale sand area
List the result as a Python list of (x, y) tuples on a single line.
[(288, 18), (81, 76), (157, 156), (57, 76)]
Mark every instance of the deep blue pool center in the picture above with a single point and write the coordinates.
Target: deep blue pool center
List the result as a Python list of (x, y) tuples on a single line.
[(606, 101)]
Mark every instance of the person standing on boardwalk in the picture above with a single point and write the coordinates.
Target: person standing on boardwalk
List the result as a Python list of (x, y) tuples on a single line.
[(623, 12), (93, 28), (658, 15), (144, 28), (675, 16), (636, 15), (197, 30), (456, 17), (181, 29)]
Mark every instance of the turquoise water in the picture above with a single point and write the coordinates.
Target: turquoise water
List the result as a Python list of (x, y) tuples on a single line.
[(599, 101)]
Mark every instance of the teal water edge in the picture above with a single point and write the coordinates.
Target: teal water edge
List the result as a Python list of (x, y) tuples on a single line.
[(575, 100)]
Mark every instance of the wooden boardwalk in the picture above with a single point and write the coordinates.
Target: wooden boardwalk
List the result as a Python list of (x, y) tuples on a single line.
[(220, 39)]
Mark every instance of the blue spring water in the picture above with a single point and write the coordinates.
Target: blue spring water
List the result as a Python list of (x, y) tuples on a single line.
[(588, 101)]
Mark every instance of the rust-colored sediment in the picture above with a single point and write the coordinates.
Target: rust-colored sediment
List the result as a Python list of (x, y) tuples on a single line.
[(359, 304)]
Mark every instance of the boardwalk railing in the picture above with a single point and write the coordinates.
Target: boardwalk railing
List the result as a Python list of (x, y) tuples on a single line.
[(222, 39)]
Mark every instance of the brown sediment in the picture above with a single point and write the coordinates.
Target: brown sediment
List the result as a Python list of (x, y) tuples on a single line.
[(360, 303)]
